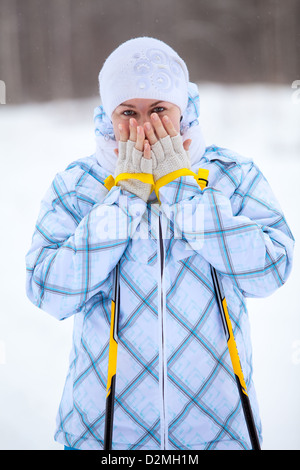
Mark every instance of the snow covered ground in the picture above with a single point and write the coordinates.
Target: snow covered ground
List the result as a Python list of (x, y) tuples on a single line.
[(37, 141)]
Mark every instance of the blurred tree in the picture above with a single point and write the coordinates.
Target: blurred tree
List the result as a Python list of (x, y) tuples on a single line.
[(55, 49), (10, 53)]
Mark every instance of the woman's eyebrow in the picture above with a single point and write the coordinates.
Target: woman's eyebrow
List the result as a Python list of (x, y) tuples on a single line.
[(127, 105), (132, 106)]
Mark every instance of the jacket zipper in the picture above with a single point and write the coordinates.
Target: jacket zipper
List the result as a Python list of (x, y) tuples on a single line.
[(164, 429)]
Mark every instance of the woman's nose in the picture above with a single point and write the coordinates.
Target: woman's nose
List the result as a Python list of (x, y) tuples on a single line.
[(142, 120)]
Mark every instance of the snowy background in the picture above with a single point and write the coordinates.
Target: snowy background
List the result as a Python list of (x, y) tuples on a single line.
[(39, 140)]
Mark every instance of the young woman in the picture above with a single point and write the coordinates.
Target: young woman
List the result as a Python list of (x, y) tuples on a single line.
[(136, 204)]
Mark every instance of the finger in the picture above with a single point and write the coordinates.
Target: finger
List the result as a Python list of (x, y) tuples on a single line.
[(146, 160), (167, 145), (158, 126), (116, 152), (123, 133), (157, 153), (169, 126), (132, 129), (140, 138), (149, 131), (186, 144), (147, 150), (177, 143)]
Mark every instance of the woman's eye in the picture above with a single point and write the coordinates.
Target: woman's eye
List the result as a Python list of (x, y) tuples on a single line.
[(130, 112), (127, 112), (159, 109)]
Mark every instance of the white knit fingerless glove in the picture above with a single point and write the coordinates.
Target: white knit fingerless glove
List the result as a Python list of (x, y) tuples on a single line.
[(131, 160), (168, 154)]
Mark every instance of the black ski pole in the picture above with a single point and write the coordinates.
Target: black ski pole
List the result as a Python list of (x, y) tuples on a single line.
[(237, 369), (232, 347), (112, 361)]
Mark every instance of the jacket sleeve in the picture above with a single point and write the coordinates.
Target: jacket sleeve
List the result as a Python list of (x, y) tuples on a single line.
[(71, 255), (244, 235)]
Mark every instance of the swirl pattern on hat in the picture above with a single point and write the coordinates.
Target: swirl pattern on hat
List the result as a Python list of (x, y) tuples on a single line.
[(143, 68)]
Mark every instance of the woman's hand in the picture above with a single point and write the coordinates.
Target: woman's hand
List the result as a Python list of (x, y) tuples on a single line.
[(150, 133), (160, 128), (168, 151), (157, 144), (135, 134), (132, 160)]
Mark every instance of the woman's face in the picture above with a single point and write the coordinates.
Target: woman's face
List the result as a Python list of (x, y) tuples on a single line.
[(141, 109)]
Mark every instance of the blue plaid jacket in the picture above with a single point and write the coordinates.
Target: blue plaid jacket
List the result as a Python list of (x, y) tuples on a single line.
[(175, 385)]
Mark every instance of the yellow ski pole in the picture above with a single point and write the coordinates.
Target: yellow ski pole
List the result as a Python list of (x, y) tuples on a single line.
[(112, 361), (232, 347)]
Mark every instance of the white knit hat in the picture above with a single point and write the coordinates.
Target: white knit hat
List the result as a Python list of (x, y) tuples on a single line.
[(143, 67)]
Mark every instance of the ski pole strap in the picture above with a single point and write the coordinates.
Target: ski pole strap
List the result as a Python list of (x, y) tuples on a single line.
[(170, 177), (201, 178), (144, 177), (110, 181)]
